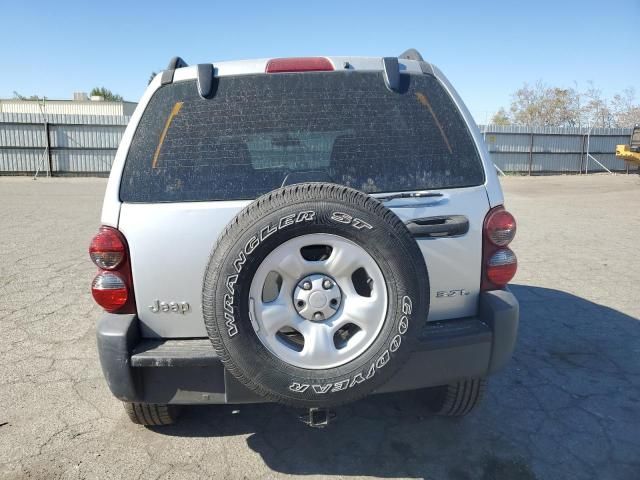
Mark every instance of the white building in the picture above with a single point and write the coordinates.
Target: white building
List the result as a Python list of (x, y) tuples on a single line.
[(83, 105)]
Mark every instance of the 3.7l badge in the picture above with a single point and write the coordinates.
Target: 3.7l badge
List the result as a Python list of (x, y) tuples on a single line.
[(451, 293), (176, 307)]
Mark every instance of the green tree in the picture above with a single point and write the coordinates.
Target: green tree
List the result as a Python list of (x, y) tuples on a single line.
[(107, 94), (501, 117)]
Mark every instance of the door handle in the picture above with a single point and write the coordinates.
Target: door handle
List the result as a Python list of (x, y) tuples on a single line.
[(437, 227)]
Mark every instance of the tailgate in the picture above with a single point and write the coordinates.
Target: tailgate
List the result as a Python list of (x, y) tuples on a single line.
[(170, 244), (454, 262)]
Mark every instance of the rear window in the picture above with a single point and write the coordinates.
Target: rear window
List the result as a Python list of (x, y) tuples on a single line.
[(259, 131)]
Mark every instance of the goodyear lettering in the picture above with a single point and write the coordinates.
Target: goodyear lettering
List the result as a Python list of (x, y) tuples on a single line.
[(322, 388), (298, 388), (341, 385)]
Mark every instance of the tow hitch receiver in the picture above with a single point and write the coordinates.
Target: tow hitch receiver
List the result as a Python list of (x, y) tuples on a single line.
[(317, 417)]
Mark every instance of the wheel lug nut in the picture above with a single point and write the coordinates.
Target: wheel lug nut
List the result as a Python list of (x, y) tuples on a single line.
[(327, 284), (300, 303), (317, 316), (306, 285)]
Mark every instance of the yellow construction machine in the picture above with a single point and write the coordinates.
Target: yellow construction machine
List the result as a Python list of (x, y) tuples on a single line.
[(631, 152)]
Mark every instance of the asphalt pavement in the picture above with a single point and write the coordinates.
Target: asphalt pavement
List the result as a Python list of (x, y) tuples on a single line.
[(567, 406)]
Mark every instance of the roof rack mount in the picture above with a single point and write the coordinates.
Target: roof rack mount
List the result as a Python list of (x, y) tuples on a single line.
[(411, 54), (174, 63)]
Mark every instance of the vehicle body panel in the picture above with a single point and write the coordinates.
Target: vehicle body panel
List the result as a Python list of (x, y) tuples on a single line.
[(170, 243)]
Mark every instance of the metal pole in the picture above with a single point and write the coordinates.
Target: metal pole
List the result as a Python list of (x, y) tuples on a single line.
[(48, 146), (584, 139), (586, 165), (35, 177), (530, 153), (598, 162)]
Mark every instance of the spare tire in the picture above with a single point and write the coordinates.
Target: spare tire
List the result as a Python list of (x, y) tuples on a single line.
[(315, 295)]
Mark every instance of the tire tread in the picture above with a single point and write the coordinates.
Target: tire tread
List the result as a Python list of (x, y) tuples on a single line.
[(457, 399), (150, 413)]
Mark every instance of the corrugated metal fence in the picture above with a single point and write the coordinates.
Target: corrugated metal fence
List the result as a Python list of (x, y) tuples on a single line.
[(86, 145), (60, 144), (538, 150)]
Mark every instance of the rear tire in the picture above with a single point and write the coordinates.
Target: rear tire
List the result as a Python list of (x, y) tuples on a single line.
[(456, 399), (151, 414)]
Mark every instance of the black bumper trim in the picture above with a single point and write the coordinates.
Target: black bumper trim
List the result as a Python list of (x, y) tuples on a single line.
[(198, 352), (188, 370), (195, 352), (117, 336)]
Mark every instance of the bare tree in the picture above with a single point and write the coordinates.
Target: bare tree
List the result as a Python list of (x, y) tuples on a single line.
[(542, 105), (625, 110), (596, 110), (17, 96)]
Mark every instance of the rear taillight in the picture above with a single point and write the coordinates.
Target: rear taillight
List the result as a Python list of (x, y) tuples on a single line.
[(110, 291), (300, 64), (112, 288), (500, 227), (499, 263), (107, 249)]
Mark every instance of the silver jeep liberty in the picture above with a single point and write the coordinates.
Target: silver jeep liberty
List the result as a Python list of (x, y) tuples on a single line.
[(305, 231)]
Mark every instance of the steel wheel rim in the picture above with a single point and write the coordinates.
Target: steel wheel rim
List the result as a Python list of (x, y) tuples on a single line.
[(329, 342)]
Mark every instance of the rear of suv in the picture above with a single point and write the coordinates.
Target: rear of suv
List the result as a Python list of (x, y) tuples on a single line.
[(304, 231)]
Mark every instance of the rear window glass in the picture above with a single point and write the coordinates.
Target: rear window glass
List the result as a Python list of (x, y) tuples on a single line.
[(259, 131)]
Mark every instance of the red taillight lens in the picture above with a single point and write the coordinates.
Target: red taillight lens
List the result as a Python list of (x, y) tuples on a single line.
[(112, 288), (500, 227), (499, 264), (301, 64), (501, 267), (107, 249), (110, 291)]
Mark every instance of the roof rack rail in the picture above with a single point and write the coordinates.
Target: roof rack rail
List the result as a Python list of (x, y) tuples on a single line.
[(174, 63), (177, 62), (411, 54), (391, 71), (206, 86)]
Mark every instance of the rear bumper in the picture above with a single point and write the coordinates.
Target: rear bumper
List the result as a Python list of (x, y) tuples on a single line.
[(187, 371)]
